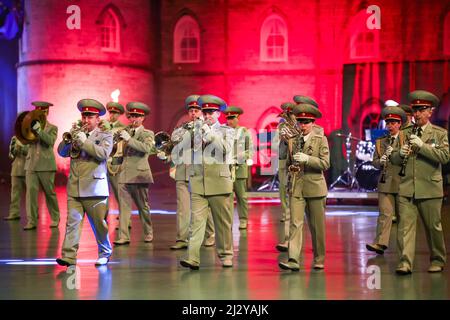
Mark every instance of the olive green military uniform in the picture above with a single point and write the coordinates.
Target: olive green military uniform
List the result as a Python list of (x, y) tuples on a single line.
[(309, 191), (113, 169), (421, 190), (243, 142), (243, 152), (17, 153), (182, 190), (40, 168), (87, 188), (211, 187), (135, 177), (283, 170), (387, 190)]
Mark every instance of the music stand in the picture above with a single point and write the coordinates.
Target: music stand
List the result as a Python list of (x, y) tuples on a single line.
[(347, 177)]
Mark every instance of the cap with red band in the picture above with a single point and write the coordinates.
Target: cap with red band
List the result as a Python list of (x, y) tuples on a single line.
[(232, 112), (138, 108), (91, 106), (115, 107), (306, 111), (393, 113), (422, 99), (41, 105), (191, 102), (211, 102)]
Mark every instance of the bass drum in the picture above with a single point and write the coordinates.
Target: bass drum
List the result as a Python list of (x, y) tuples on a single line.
[(367, 176)]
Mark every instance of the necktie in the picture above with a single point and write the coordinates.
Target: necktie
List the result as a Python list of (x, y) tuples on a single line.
[(419, 132)]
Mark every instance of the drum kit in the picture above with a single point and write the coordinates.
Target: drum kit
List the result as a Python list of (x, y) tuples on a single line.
[(362, 175)]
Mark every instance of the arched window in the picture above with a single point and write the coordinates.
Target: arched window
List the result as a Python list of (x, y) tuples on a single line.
[(110, 31), (274, 39), (364, 42), (186, 41), (446, 34)]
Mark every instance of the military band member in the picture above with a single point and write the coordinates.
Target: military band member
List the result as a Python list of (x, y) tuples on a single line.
[(298, 99), (409, 115), (421, 189), (135, 175), (182, 180), (309, 156), (287, 108), (87, 188), (115, 110), (243, 153), (17, 153), (211, 183), (40, 168), (308, 100), (389, 180)]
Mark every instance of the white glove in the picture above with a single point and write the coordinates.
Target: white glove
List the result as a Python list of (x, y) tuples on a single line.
[(125, 135), (388, 151), (81, 137), (206, 129), (37, 126), (249, 162), (404, 150), (161, 155), (301, 157), (383, 159), (416, 141)]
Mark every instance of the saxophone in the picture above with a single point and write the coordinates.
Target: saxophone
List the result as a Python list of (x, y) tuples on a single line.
[(414, 131), (384, 167)]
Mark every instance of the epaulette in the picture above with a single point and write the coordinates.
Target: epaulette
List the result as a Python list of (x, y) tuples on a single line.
[(438, 128)]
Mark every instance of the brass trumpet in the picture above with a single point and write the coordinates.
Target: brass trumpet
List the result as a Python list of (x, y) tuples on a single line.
[(69, 136)]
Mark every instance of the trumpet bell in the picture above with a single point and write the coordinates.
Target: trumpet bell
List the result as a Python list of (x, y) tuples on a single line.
[(24, 124)]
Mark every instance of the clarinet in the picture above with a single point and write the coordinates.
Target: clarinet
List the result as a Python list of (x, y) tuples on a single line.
[(402, 172), (384, 169)]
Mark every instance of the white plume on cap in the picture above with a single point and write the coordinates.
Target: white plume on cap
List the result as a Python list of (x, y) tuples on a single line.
[(391, 103)]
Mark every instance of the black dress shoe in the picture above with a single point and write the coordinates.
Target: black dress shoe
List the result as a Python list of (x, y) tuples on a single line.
[(64, 263), (189, 264)]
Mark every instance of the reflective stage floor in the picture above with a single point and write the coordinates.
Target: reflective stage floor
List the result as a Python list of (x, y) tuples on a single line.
[(152, 271)]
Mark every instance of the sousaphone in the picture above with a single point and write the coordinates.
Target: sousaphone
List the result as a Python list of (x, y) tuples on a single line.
[(24, 125)]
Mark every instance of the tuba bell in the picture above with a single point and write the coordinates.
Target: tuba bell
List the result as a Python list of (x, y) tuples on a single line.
[(24, 125)]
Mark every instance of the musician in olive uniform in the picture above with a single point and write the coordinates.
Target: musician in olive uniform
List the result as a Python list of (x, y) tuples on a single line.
[(115, 109), (17, 153), (136, 176), (243, 153), (40, 168), (87, 188), (211, 183), (287, 108), (389, 179), (421, 188), (309, 157), (409, 114), (282, 174), (182, 180)]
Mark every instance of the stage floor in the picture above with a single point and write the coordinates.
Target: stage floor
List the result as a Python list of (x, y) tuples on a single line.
[(152, 271)]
